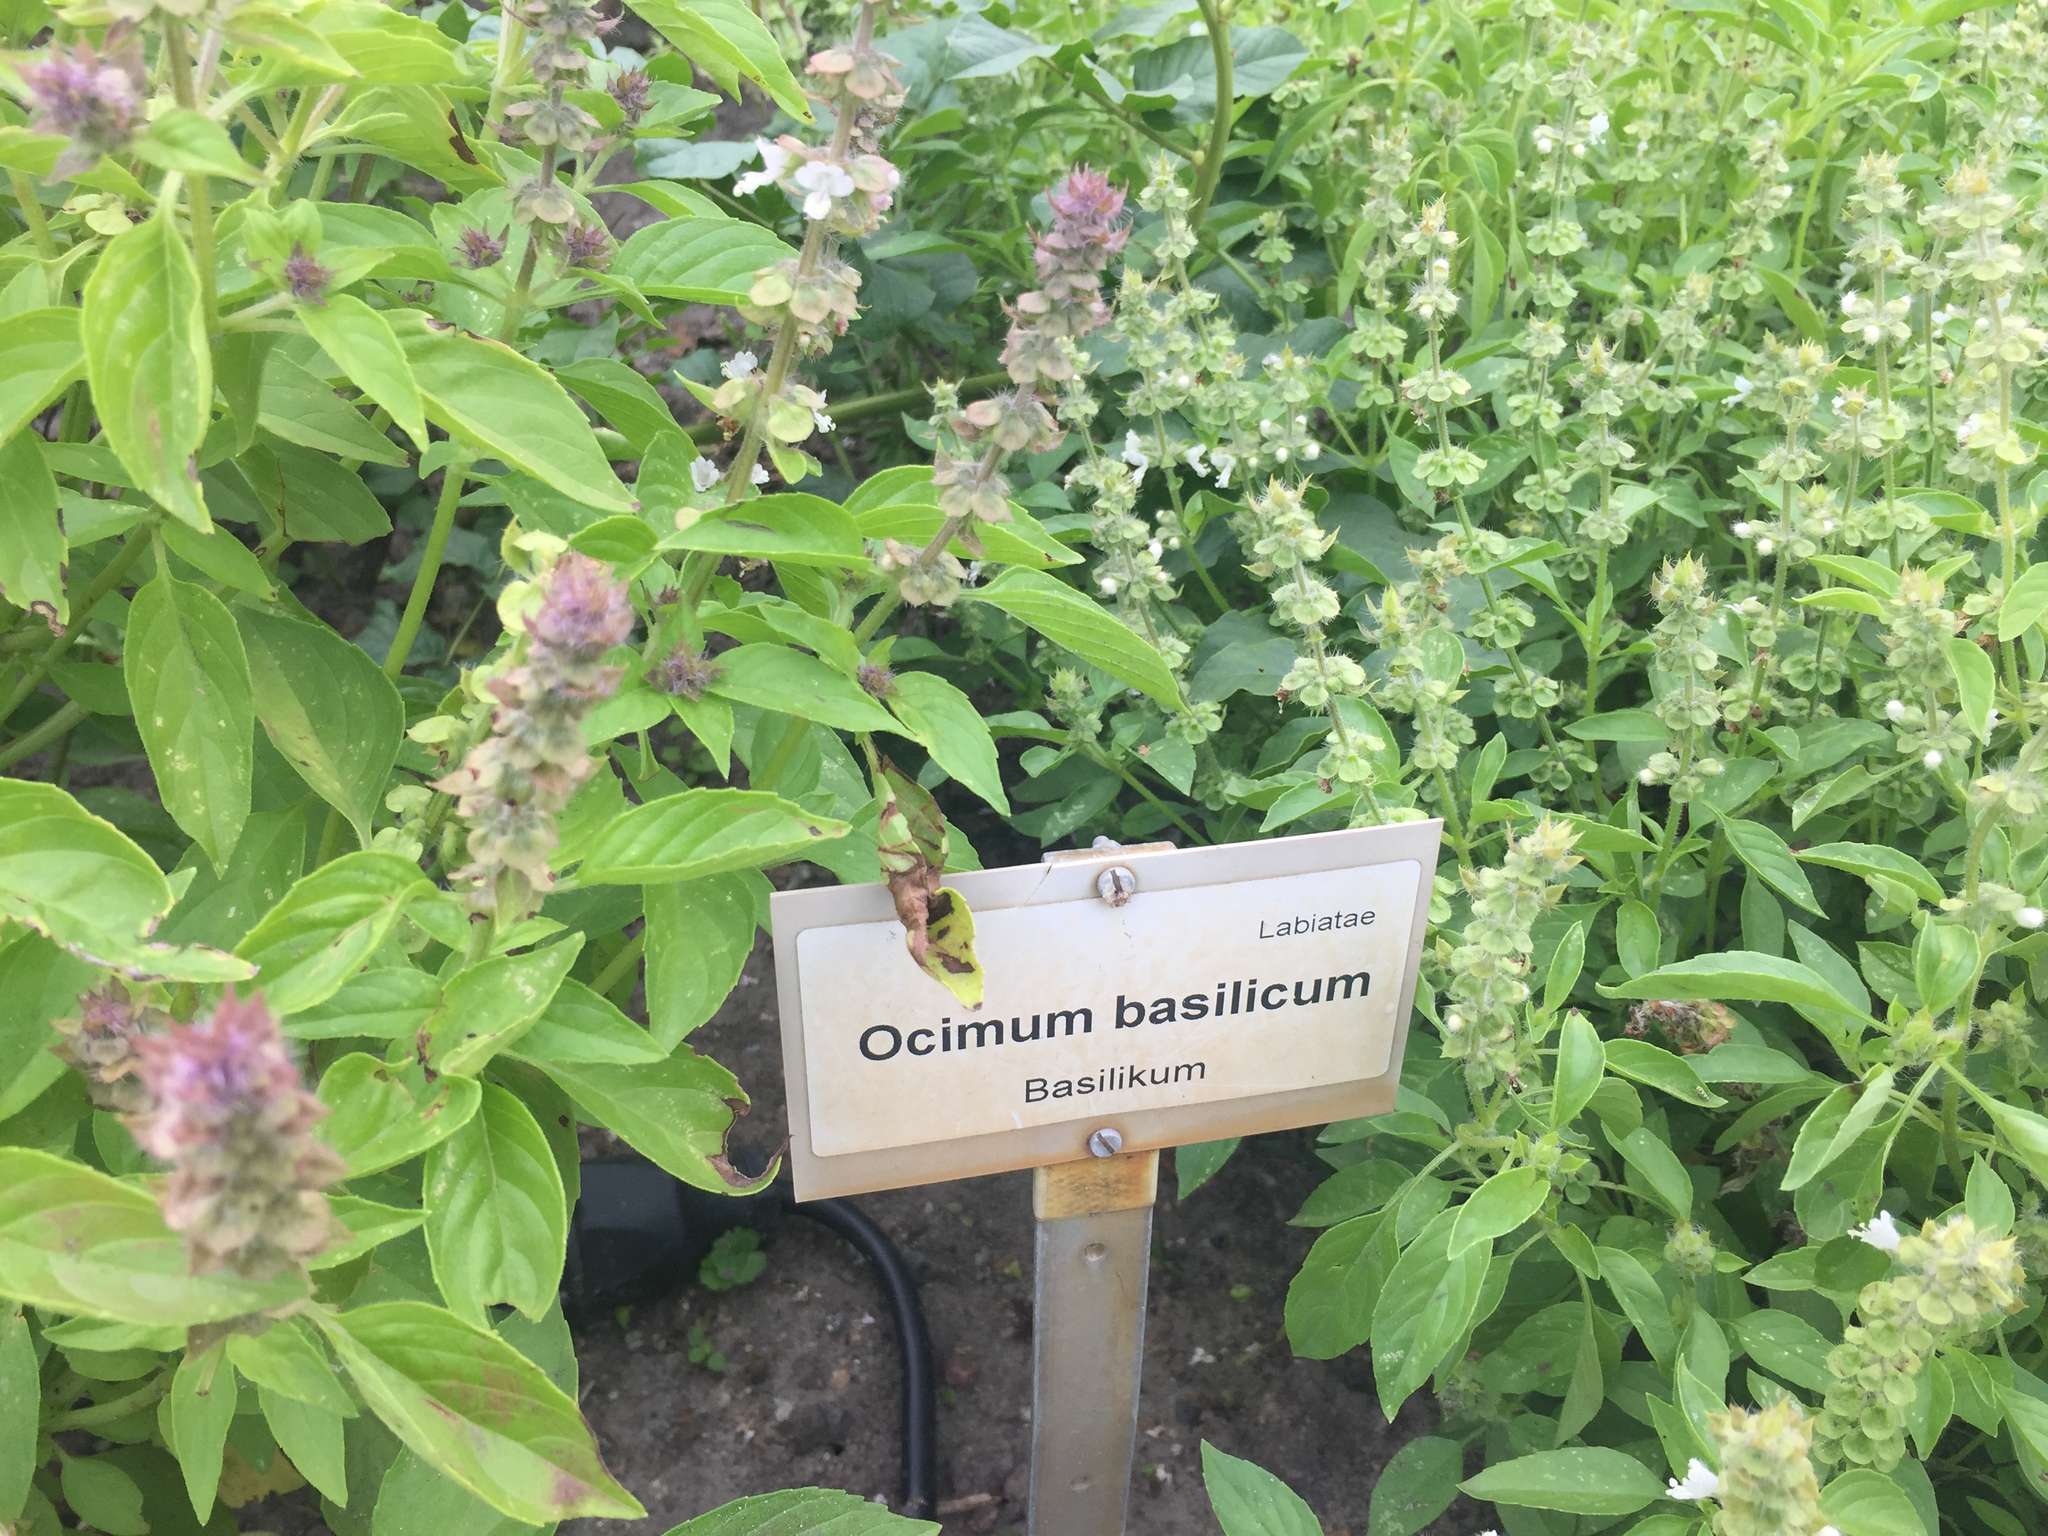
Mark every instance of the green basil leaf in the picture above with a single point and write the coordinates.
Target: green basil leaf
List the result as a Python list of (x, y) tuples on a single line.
[(699, 935), (188, 682), (328, 709), (791, 528), (21, 1398), (74, 1240), (147, 357), (497, 1218), (1416, 1485), (1582, 1480), (1660, 1168), (580, 1026), (379, 1117), (1740, 976), (1655, 1067), (803, 1509), (1330, 1301), (726, 40), (781, 678), (677, 1113), (490, 1005), (313, 1437), (493, 399), (1771, 861), (702, 832), (696, 261), (76, 880), (1875, 862), (1197, 1162), (200, 1409), (1068, 619), (944, 721), (362, 345), (1425, 1309), (1250, 1501), (41, 355), (328, 925), (102, 1495), (286, 1359), (33, 551), (1581, 1063), (1497, 1207)]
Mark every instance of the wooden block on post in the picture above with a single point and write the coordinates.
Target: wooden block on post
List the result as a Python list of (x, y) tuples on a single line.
[(1095, 1186)]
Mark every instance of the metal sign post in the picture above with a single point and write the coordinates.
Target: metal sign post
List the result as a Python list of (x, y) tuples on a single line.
[(1088, 1336)]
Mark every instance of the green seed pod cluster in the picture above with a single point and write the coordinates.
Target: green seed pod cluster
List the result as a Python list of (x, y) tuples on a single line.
[(1953, 1282), (1767, 1485)]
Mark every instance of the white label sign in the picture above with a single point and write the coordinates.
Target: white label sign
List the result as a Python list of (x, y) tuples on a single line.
[(1243, 988)]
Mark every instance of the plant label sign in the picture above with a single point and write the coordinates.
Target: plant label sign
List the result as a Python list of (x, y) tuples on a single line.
[(1238, 989)]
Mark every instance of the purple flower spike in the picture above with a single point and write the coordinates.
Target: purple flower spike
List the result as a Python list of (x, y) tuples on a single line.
[(90, 98), (229, 1112), (515, 782), (583, 610)]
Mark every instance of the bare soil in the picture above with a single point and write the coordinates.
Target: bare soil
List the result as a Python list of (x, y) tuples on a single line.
[(808, 1395)]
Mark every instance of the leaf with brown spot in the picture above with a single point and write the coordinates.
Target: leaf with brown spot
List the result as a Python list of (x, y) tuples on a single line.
[(477, 1410), (938, 928), (949, 957), (676, 1113)]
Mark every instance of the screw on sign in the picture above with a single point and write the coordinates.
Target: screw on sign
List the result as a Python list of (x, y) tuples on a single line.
[(1135, 998)]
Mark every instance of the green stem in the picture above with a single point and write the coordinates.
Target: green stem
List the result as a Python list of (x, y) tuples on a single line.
[(621, 964), (740, 475), (877, 615), (32, 214), (109, 578), (522, 289), (305, 117), (511, 45), (98, 1415), (1407, 65), (430, 570), (1105, 760), (1820, 166), (196, 188), (1453, 822), (1211, 170), (258, 130), (61, 723), (1140, 127)]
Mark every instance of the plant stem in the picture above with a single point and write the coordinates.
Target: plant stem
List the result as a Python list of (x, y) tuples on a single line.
[(1105, 760), (621, 964), (1820, 166), (61, 723), (430, 569), (195, 182), (780, 356), (257, 128), (305, 117), (109, 578), (522, 289), (511, 45), (1211, 170), (110, 1412), (1407, 63), (875, 616), (32, 214)]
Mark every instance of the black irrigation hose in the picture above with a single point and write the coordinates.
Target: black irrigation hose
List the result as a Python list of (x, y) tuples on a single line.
[(913, 1342), (638, 1233)]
